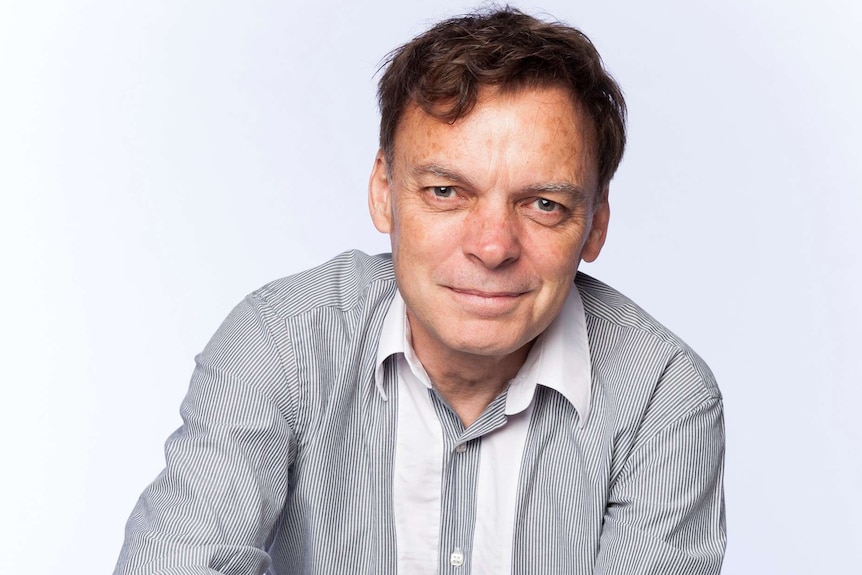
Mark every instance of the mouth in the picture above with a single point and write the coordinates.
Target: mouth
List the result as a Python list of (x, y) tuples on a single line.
[(487, 294), (487, 303)]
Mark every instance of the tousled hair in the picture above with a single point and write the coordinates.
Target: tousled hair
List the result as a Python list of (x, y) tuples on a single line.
[(443, 69)]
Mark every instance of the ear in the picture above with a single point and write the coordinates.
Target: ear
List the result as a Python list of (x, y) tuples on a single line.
[(379, 195), (598, 230)]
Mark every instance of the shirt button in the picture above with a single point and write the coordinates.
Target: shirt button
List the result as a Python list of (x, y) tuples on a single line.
[(456, 559), (461, 447)]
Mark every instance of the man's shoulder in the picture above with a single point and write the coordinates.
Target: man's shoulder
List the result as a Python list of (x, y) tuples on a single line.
[(602, 302), (612, 317), (608, 307), (341, 283)]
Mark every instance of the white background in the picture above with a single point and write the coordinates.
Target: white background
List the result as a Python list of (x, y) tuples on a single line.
[(161, 159)]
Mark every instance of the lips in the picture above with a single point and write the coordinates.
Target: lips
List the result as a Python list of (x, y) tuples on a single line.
[(486, 303), (485, 293)]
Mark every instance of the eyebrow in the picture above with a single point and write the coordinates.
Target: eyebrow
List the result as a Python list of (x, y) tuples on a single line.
[(577, 193), (441, 172)]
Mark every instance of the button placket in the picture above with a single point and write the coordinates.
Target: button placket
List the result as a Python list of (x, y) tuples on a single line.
[(459, 481)]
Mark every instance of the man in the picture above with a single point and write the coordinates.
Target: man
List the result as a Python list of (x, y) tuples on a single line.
[(471, 404)]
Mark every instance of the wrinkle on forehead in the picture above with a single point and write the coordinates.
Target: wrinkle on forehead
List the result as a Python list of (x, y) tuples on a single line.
[(507, 135)]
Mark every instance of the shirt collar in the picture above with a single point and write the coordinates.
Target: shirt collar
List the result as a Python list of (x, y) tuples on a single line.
[(559, 359), (394, 339)]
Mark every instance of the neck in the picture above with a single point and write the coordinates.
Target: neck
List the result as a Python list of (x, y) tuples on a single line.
[(469, 382)]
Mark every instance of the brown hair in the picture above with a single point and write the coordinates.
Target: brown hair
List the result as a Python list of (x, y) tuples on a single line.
[(443, 69)]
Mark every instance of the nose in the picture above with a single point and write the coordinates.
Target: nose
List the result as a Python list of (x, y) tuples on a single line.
[(491, 236)]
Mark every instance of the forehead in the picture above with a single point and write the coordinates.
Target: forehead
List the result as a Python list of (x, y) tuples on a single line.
[(536, 134)]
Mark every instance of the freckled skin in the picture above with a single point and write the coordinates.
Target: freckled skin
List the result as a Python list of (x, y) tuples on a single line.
[(489, 218)]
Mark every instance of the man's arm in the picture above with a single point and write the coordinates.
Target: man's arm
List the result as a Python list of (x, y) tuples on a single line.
[(665, 513), (214, 506)]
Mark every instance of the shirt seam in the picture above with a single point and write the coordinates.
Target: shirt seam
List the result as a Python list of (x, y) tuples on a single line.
[(289, 373), (708, 402), (678, 348)]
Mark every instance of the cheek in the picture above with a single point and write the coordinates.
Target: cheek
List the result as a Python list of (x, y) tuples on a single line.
[(428, 237), (556, 255), (412, 249)]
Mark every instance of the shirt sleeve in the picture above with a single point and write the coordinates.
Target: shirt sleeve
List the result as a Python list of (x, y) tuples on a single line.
[(665, 514), (215, 505)]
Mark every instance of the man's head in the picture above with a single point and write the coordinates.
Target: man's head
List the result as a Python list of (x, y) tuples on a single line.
[(498, 138), (443, 70)]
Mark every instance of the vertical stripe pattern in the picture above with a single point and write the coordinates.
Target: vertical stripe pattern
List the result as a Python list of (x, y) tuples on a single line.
[(284, 461)]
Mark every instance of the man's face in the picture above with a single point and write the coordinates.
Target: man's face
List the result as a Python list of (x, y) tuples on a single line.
[(489, 217)]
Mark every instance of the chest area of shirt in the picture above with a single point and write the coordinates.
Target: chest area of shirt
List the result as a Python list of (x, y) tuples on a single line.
[(399, 480)]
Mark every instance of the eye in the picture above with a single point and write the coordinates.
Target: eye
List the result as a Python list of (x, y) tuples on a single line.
[(546, 205), (443, 191), (546, 212)]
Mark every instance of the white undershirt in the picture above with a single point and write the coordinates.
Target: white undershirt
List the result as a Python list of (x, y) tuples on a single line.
[(559, 359)]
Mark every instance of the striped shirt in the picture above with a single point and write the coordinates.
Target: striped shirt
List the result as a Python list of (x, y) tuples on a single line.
[(285, 460), (559, 359)]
